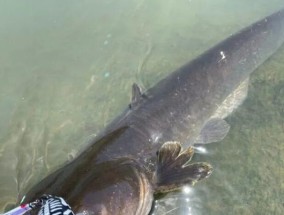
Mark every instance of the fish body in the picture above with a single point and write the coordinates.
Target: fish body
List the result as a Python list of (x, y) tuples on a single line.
[(140, 153)]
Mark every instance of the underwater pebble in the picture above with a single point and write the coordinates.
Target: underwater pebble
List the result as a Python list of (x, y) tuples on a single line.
[(106, 75)]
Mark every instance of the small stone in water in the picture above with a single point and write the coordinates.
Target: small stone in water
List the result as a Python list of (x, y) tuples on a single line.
[(106, 75)]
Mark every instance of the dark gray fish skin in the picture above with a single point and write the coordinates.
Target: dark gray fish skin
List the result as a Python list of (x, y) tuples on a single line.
[(117, 174), (177, 107)]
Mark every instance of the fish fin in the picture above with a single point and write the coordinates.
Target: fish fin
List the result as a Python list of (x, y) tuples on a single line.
[(137, 95), (174, 169), (234, 100), (214, 130)]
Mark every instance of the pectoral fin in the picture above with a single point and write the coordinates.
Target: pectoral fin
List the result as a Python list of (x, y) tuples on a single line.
[(174, 169), (215, 130)]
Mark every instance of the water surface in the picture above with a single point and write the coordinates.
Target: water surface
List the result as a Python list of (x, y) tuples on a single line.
[(66, 70)]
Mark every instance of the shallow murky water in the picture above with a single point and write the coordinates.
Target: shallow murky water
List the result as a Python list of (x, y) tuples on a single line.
[(66, 70)]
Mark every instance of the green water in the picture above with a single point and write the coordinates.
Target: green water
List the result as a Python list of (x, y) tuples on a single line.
[(66, 69)]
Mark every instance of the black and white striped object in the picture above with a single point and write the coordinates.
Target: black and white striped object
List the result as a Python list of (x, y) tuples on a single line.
[(54, 205)]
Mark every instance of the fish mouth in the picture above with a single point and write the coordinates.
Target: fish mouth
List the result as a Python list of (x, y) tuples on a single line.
[(145, 188), (146, 193)]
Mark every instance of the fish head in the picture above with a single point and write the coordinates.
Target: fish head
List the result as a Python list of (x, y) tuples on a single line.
[(113, 186)]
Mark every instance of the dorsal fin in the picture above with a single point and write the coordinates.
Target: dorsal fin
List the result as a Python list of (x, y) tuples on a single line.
[(137, 95)]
